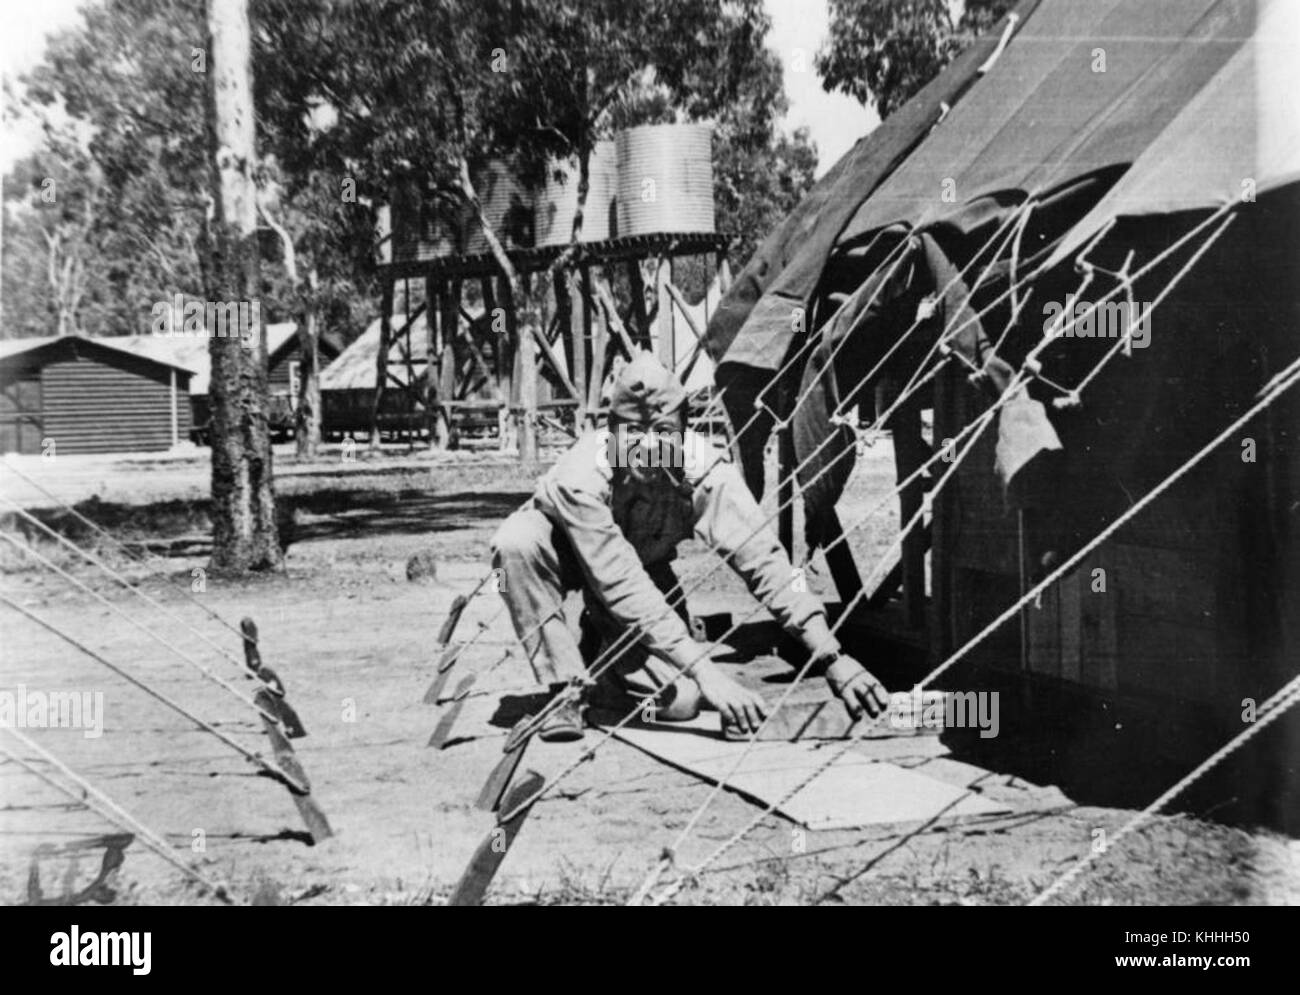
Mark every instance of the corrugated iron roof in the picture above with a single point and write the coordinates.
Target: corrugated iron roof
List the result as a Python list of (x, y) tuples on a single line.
[(190, 352), (355, 366), (16, 347)]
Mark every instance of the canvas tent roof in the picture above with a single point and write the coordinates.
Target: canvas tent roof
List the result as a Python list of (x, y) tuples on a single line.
[(1203, 156), (1052, 110), (1045, 115), (786, 266)]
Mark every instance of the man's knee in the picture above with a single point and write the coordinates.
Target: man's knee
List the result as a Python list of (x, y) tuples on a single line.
[(518, 540), (681, 701)]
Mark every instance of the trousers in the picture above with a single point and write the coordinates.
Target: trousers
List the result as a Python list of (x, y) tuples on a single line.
[(536, 569)]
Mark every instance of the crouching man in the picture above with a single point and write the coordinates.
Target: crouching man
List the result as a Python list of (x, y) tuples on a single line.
[(607, 520)]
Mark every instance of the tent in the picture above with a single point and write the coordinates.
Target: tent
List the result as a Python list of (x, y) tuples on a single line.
[(1103, 152), (1216, 151), (785, 268), (1076, 96)]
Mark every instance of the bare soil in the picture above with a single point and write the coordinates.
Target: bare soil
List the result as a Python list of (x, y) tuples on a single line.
[(353, 640)]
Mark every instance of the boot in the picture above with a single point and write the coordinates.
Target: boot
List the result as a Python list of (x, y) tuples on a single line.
[(564, 723)]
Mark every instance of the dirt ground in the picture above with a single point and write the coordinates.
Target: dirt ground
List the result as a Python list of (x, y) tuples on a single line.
[(353, 640)]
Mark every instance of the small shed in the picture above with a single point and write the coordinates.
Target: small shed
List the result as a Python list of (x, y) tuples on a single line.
[(89, 396), (284, 356)]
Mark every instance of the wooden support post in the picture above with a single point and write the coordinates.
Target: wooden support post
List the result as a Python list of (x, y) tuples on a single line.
[(667, 324), (943, 524), (476, 357), (641, 333), (612, 319), (695, 329), (595, 363), (710, 268), (483, 865), (578, 333), (432, 352), (525, 376), (381, 358), (562, 299), (443, 387), (910, 452), (503, 354), (785, 489), (724, 271), (599, 351)]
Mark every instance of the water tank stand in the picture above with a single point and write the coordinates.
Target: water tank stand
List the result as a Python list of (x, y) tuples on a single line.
[(468, 375)]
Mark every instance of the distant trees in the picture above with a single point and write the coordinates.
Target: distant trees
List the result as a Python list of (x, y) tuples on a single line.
[(52, 207), (424, 94), (883, 51), (122, 109), (347, 99)]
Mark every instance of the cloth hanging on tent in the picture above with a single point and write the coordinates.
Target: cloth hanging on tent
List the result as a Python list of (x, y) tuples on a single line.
[(1024, 436), (875, 316), (882, 310), (1048, 117)]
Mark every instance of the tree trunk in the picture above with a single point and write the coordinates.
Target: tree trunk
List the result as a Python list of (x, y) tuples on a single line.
[(244, 534)]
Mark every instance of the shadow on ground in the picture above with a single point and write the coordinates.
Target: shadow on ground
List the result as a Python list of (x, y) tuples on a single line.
[(183, 527)]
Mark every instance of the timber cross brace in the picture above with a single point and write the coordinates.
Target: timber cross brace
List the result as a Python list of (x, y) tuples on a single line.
[(450, 322)]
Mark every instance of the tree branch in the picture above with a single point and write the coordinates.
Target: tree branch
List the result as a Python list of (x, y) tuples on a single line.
[(290, 255)]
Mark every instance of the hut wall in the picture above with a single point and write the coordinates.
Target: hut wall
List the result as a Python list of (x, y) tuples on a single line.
[(102, 401)]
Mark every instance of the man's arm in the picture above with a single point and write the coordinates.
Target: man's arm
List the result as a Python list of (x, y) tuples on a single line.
[(729, 519)]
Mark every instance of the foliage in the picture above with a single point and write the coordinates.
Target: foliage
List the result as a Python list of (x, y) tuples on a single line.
[(349, 97), (883, 51)]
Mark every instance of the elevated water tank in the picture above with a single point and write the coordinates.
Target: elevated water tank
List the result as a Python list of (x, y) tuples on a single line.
[(665, 179), (558, 199), (507, 205), (426, 223)]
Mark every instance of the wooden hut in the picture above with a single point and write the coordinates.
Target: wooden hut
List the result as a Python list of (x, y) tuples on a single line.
[(69, 394)]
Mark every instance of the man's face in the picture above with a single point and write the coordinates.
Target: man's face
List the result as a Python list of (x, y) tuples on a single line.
[(651, 455)]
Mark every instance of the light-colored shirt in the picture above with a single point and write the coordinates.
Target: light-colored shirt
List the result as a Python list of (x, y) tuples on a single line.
[(618, 528)]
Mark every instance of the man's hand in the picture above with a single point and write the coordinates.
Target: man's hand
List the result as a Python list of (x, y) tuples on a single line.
[(739, 706), (855, 686)]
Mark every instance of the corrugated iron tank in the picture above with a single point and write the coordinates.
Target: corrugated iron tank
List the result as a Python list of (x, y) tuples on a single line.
[(428, 223), (655, 178), (558, 199), (424, 224), (665, 179), (507, 206)]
